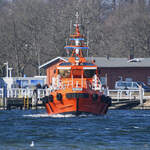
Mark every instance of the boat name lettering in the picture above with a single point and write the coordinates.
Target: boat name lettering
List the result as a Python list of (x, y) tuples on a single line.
[(77, 89)]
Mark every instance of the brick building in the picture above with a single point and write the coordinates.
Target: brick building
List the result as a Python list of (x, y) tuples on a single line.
[(112, 69)]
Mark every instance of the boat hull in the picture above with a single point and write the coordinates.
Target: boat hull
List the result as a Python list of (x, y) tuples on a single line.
[(77, 103)]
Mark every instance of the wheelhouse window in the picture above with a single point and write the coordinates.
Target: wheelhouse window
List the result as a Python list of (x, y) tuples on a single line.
[(64, 73), (65, 64), (89, 73)]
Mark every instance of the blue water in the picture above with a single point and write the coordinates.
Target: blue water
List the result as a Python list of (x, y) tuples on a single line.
[(118, 130)]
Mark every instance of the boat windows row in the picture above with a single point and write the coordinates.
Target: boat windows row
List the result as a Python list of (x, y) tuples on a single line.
[(76, 73)]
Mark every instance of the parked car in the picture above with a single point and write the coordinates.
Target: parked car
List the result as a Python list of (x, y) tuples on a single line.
[(145, 87), (131, 85)]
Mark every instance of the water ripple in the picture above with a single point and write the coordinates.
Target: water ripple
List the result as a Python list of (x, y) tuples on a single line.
[(118, 130)]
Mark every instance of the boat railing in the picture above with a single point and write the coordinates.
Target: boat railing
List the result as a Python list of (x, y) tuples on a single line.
[(76, 83), (96, 83), (64, 84), (79, 83)]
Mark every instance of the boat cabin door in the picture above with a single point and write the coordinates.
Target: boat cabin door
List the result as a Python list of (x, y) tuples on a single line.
[(77, 73)]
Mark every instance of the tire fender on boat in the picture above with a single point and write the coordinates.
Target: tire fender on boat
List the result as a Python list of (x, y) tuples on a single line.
[(51, 98), (45, 99), (95, 97), (103, 98), (109, 101), (59, 96)]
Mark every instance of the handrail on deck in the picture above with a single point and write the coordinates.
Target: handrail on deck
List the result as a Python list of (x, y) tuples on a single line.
[(78, 83)]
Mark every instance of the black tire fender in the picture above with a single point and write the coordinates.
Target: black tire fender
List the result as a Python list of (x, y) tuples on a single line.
[(103, 98), (109, 101), (95, 97), (51, 98), (59, 96)]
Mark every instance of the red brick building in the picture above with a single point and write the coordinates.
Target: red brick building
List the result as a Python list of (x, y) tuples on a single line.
[(50, 66), (112, 69)]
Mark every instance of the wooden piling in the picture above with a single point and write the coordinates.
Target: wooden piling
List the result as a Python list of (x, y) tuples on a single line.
[(141, 95)]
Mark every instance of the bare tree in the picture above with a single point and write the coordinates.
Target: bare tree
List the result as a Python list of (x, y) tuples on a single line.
[(34, 31)]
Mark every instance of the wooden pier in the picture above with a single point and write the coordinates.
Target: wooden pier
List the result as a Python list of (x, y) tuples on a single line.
[(130, 104), (129, 99), (23, 99), (22, 103), (124, 104)]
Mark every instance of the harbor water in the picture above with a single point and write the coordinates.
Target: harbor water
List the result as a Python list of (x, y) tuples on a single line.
[(35, 130)]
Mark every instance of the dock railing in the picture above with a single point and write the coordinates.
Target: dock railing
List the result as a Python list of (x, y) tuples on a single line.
[(124, 94), (1, 96), (116, 94), (120, 95), (1, 93), (20, 93)]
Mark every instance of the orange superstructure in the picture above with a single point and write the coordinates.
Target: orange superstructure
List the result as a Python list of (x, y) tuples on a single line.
[(76, 87)]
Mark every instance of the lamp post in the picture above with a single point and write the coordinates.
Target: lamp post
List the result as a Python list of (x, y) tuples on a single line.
[(6, 68), (39, 71), (10, 72)]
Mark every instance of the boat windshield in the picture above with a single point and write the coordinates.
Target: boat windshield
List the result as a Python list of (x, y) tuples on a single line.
[(89, 73), (64, 73)]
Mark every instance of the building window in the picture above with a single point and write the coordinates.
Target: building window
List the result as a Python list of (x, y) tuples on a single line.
[(148, 80)]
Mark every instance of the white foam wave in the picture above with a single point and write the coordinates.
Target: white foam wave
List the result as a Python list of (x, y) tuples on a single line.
[(62, 116), (135, 127), (36, 115), (107, 128), (55, 115), (46, 115)]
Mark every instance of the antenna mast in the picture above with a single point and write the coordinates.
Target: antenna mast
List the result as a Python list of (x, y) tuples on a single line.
[(87, 42)]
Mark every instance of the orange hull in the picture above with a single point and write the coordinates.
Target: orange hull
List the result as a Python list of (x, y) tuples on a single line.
[(75, 102)]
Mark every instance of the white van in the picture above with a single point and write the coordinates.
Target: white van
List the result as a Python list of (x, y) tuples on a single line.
[(130, 85)]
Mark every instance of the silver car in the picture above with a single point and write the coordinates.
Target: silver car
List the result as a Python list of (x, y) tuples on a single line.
[(126, 85)]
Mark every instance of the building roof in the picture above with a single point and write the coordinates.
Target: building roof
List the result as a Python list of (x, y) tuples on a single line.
[(122, 62), (45, 65), (108, 62)]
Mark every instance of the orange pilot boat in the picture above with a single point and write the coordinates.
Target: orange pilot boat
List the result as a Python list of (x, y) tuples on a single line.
[(76, 87)]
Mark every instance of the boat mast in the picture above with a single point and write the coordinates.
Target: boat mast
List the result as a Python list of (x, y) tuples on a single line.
[(77, 43)]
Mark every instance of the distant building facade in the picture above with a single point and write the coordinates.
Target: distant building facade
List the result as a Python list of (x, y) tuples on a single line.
[(112, 69), (50, 67)]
